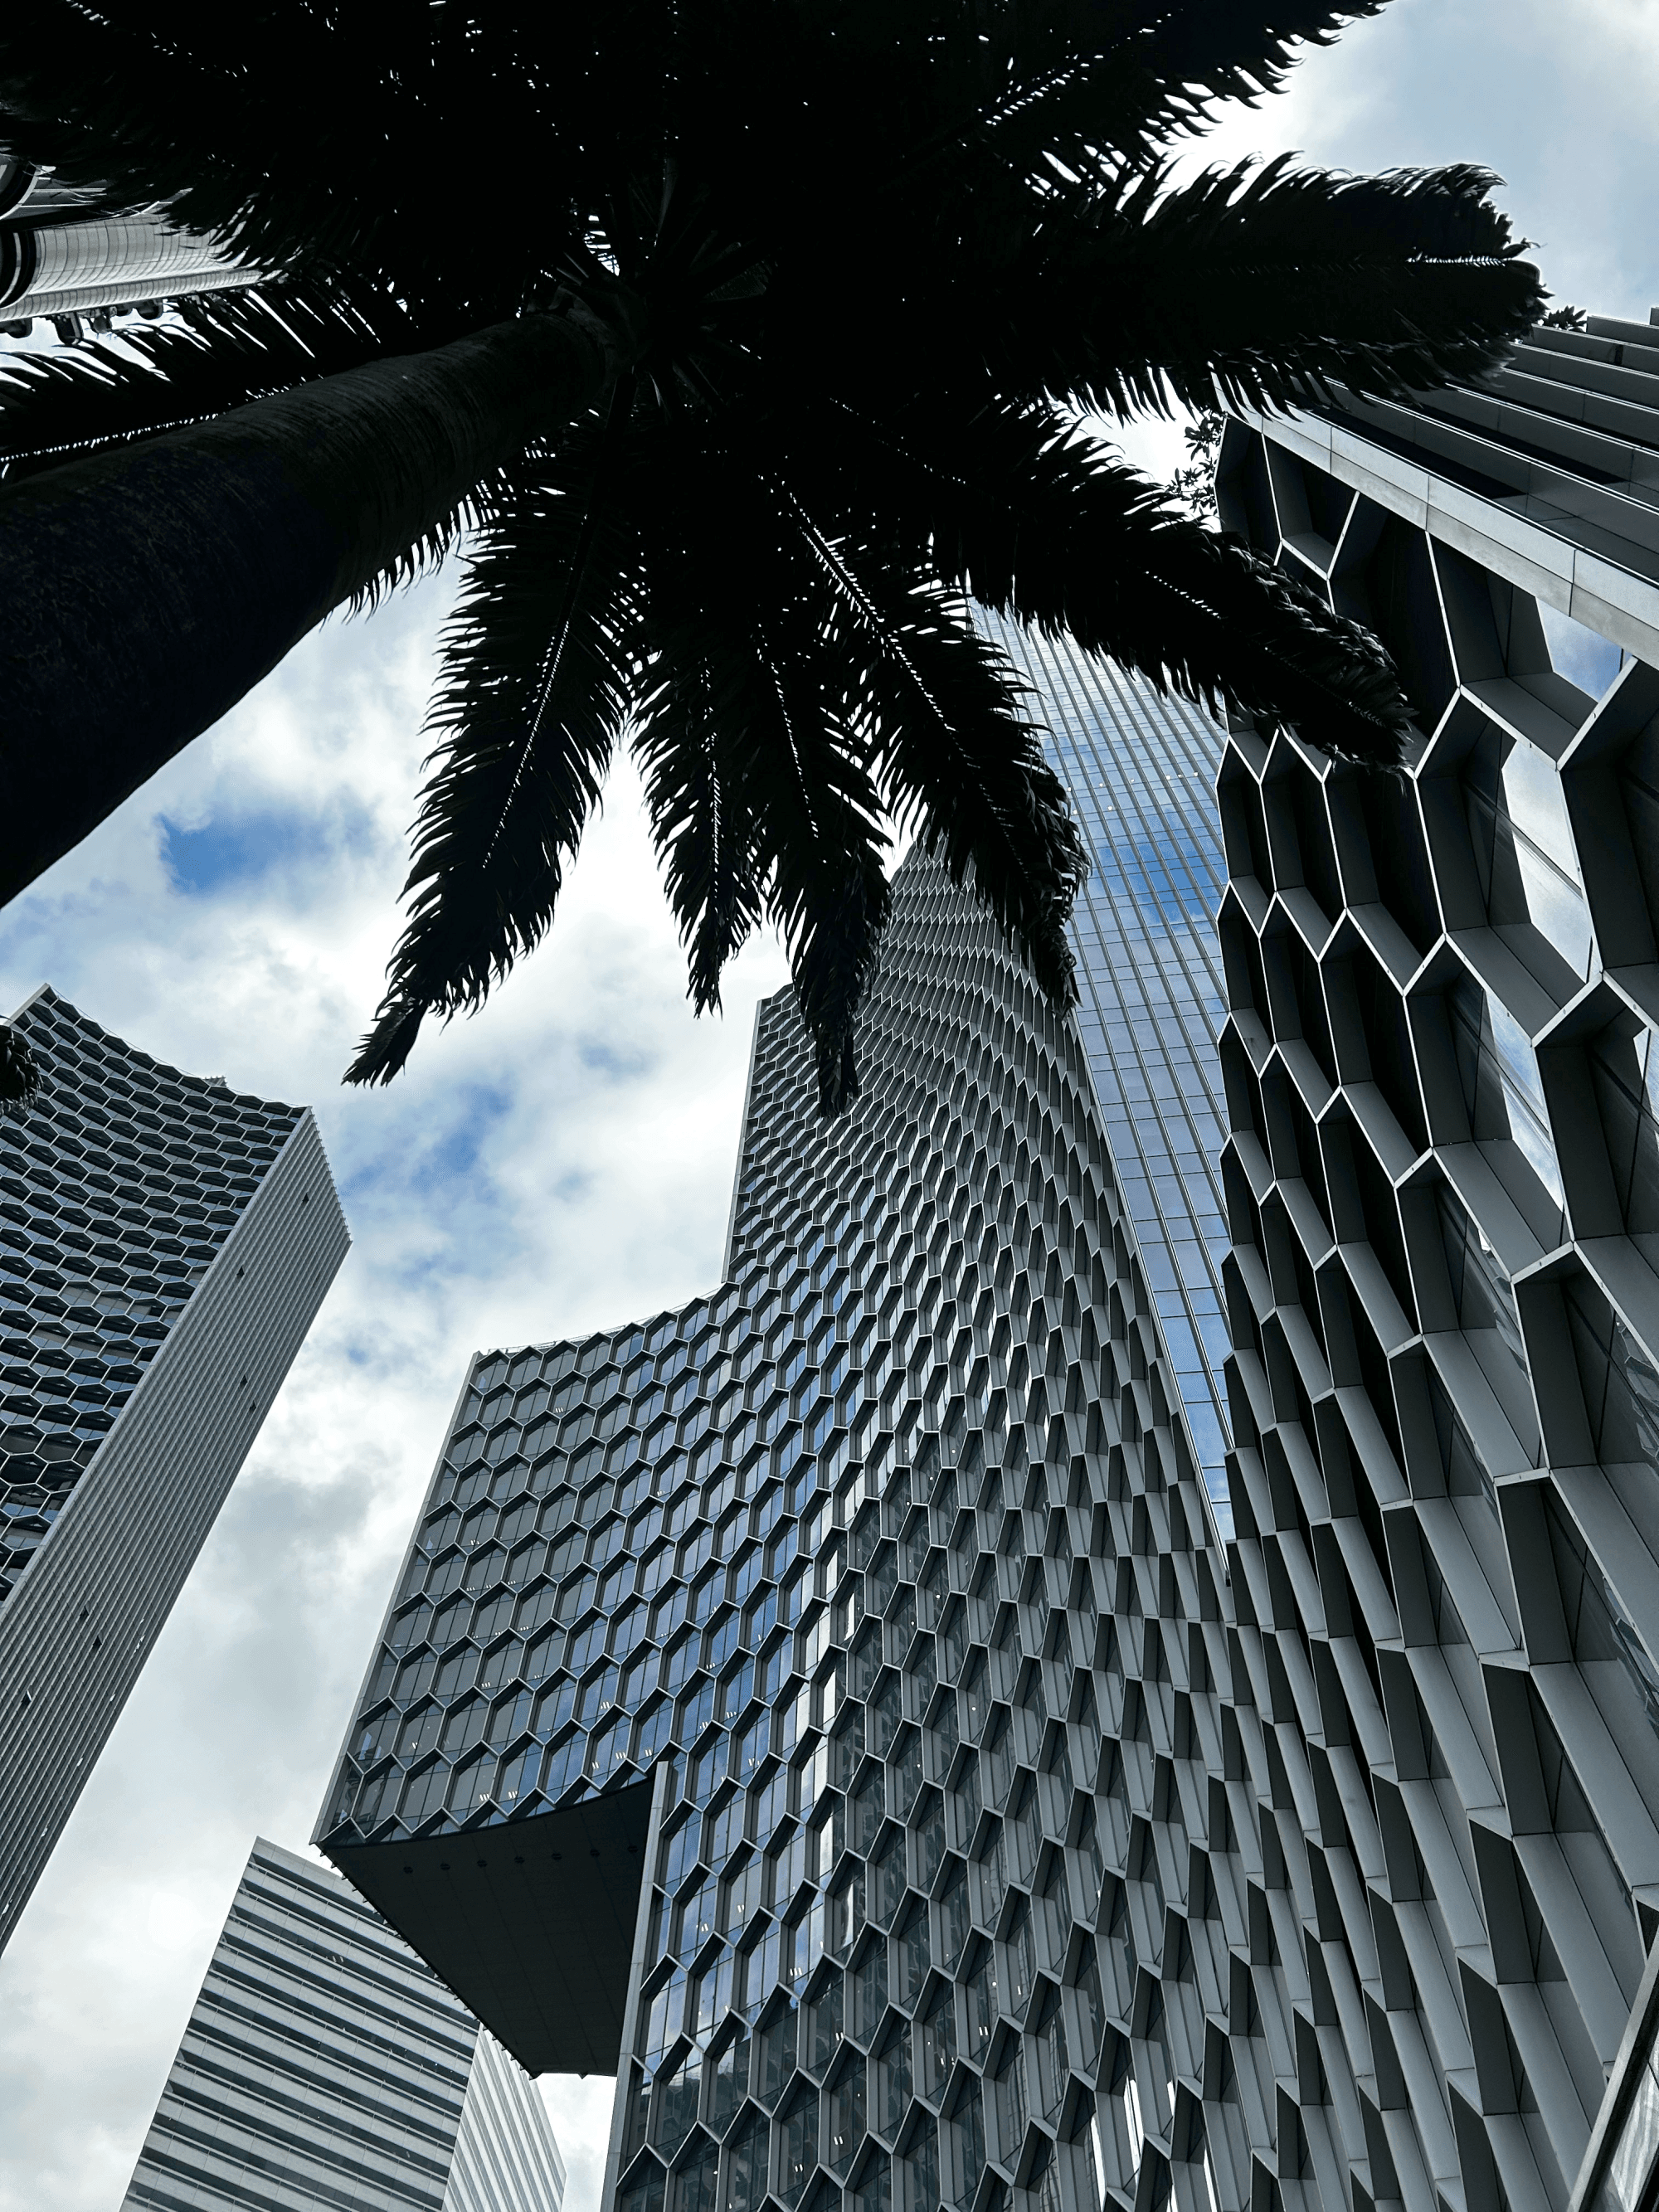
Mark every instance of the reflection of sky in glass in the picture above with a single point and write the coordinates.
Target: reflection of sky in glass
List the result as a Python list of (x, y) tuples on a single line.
[(1532, 791), (1141, 773), (1584, 656), (1635, 2146), (1486, 1315), (1523, 1094), (1646, 1047), (1556, 908), (1544, 854), (1524, 847), (1501, 1065)]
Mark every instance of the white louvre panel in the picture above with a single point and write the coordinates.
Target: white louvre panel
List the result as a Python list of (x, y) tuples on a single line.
[(325, 2067), (109, 261), (227, 278), (505, 2157)]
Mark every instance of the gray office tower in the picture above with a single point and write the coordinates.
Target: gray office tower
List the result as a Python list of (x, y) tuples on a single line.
[(837, 1695), (1444, 1187), (324, 2066), (164, 1245)]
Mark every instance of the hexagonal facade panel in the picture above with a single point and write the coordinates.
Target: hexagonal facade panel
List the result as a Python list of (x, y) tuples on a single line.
[(1002, 1838), (1442, 1293), (890, 1566), (118, 1188), (164, 1243)]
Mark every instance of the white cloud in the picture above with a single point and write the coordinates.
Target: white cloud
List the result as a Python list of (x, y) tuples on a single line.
[(581, 2113), (560, 1162), (1558, 99)]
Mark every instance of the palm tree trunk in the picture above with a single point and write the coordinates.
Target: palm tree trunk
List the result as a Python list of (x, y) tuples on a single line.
[(145, 589)]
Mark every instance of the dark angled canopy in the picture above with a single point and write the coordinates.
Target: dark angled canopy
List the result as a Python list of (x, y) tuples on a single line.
[(747, 338)]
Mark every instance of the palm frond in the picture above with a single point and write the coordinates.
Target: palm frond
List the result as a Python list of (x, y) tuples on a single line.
[(954, 757), (19, 1071), (762, 801), (539, 669), (820, 822), (838, 920), (1050, 528), (1042, 521), (1040, 82), (1142, 73), (701, 822), (135, 103), (1265, 286), (133, 99)]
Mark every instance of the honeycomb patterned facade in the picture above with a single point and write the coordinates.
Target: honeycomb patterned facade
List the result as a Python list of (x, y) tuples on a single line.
[(1443, 1074), (891, 1558), (1013, 1844), (118, 1188), (164, 1245)]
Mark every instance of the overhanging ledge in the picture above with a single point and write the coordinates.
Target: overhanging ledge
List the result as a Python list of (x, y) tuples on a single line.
[(530, 1922)]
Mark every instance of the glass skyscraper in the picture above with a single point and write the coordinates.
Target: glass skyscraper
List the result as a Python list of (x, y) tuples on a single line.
[(767, 1705), (324, 2066), (1140, 769), (165, 1244)]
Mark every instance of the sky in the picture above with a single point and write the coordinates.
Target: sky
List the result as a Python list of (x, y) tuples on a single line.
[(557, 1165)]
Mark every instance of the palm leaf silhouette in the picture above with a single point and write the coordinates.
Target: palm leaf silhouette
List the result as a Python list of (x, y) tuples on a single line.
[(750, 351)]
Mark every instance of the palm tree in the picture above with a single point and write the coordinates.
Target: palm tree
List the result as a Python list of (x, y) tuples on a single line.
[(744, 341)]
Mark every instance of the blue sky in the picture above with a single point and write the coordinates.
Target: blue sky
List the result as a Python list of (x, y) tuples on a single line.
[(557, 1165)]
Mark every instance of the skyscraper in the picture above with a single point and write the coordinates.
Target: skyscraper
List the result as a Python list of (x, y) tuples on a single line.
[(324, 2065), (1440, 1185), (888, 1565), (1005, 1830), (1140, 769), (65, 255), (166, 1244)]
